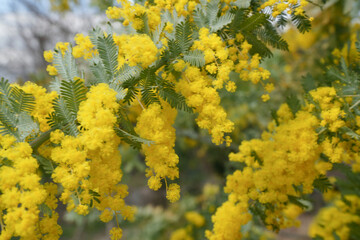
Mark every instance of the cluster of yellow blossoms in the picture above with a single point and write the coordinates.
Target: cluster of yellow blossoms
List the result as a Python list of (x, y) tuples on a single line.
[(87, 167), (199, 93), (335, 218), (133, 13), (155, 124), (84, 47), (49, 57), (284, 164), (89, 164), (279, 6), (22, 193), (135, 50), (43, 103)]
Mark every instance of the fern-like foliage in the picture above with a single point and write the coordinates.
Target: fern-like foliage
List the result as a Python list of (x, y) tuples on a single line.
[(8, 122), (65, 65), (258, 30), (270, 36), (73, 93), (195, 58), (15, 107), (183, 35), (322, 184), (132, 89), (149, 86), (98, 70), (301, 22), (251, 23), (63, 118), (126, 72), (108, 53), (21, 101), (221, 21), (5, 92), (200, 18), (167, 92)]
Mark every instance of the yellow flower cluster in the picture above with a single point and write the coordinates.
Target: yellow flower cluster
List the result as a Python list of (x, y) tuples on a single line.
[(228, 219), (84, 47), (136, 50), (182, 7), (285, 158), (335, 219), (155, 124), (48, 224), (49, 57), (181, 234), (216, 58), (279, 6), (197, 88), (221, 60), (21, 191), (132, 13), (348, 52), (195, 218), (43, 103), (330, 105), (89, 164)]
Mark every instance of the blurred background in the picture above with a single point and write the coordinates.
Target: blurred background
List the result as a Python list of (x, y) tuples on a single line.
[(29, 27)]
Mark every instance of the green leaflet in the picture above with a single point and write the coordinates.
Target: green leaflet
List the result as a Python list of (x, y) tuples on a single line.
[(108, 54), (65, 65), (195, 58)]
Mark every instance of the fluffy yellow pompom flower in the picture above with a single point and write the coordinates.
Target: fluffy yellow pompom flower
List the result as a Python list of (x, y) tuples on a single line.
[(195, 218), (136, 50), (173, 192), (43, 103), (115, 233), (84, 47), (62, 46), (181, 234), (265, 97), (49, 56), (51, 70)]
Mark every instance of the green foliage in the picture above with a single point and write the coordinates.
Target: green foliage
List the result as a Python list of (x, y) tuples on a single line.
[(301, 22), (293, 103), (63, 118), (308, 83), (350, 184), (73, 93), (195, 58), (45, 164), (125, 130), (108, 54), (322, 184), (15, 107), (65, 65), (183, 35), (257, 30)]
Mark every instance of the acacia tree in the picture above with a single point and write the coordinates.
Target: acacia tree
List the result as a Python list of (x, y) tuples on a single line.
[(167, 57)]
